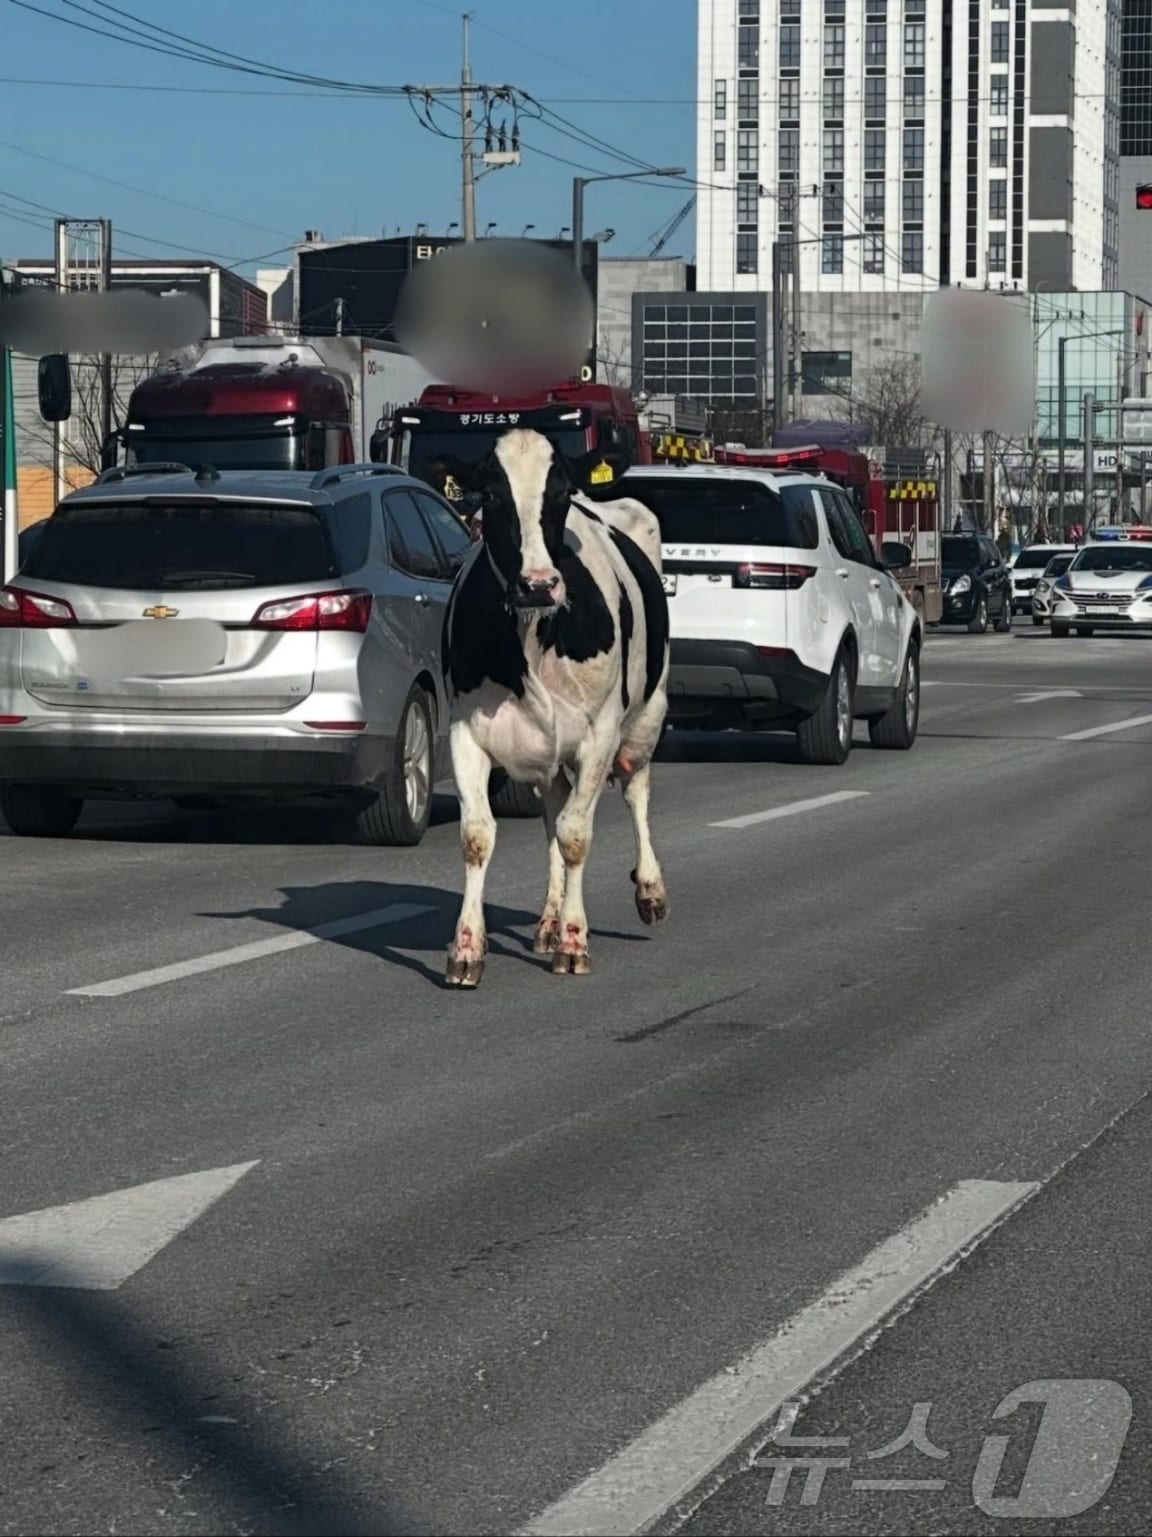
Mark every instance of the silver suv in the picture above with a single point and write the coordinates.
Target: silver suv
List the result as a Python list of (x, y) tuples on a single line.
[(212, 635)]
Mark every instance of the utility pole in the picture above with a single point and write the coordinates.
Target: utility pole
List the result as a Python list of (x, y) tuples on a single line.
[(777, 336), (947, 500), (797, 357), (467, 132), (989, 486), (1089, 461)]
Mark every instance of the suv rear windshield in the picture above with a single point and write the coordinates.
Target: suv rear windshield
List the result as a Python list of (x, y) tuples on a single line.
[(168, 547), (1033, 560), (692, 510)]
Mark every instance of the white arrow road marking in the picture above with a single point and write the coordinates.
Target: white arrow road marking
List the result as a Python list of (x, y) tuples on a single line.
[(667, 1461), (1052, 693), (261, 947), (793, 808), (97, 1244), (1117, 725)]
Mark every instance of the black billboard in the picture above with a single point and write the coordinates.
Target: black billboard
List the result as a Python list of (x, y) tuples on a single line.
[(369, 274)]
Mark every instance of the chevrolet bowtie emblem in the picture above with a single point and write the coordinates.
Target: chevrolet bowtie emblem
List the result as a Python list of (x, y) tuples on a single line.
[(160, 611)]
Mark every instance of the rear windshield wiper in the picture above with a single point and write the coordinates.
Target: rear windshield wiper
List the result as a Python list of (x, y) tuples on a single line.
[(207, 579)]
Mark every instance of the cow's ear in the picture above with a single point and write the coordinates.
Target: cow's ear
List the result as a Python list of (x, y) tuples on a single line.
[(452, 477), (599, 467)]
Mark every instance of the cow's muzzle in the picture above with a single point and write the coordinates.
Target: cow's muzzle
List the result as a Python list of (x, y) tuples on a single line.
[(538, 589)]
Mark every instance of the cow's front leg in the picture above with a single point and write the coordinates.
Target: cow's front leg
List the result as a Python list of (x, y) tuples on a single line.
[(548, 929), (574, 839), (471, 767)]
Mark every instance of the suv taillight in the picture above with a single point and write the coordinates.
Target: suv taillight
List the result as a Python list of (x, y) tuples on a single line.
[(317, 611), (774, 577), (20, 610)]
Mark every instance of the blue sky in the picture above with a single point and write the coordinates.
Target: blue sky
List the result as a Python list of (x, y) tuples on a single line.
[(263, 168)]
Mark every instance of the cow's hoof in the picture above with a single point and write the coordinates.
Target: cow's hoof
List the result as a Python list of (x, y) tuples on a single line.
[(652, 908), (547, 937), (567, 964), (463, 972)]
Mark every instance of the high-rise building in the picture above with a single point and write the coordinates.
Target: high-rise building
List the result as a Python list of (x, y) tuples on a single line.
[(909, 143), (1136, 149)]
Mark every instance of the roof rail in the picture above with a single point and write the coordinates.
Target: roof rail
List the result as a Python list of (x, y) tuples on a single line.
[(339, 472), (122, 472)]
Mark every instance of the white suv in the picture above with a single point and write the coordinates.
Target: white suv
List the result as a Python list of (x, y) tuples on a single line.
[(782, 616)]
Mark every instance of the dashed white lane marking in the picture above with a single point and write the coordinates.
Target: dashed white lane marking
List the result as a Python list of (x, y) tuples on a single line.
[(647, 1479), (793, 808), (1117, 725), (236, 956)]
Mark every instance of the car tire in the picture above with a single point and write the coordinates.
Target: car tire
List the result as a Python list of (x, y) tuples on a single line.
[(823, 737), (1059, 631), (1085, 629), (896, 728), (1036, 619), (37, 811), (978, 624), (1004, 619), (398, 814), (511, 800)]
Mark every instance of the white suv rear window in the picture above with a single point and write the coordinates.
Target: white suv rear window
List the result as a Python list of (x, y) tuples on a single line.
[(728, 511)]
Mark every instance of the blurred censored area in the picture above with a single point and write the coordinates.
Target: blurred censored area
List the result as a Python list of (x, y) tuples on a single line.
[(497, 316), (41, 321)]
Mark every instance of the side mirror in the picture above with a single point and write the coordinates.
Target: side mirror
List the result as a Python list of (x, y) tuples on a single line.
[(895, 556), (109, 451), (54, 387), (378, 445)]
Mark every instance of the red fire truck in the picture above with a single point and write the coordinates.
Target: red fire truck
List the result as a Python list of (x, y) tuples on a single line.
[(904, 510)]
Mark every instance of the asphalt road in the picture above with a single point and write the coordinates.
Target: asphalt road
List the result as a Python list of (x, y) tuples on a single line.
[(487, 1240)]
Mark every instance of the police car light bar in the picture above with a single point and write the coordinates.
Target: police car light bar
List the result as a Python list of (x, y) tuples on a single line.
[(1120, 532)]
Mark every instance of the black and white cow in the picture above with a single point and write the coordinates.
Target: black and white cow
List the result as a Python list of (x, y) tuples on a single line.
[(556, 663)]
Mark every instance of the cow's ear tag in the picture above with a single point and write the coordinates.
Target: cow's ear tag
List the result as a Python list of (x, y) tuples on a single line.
[(601, 473), (452, 489)]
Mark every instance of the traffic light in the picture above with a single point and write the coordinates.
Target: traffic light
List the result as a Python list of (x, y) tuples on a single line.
[(1144, 196)]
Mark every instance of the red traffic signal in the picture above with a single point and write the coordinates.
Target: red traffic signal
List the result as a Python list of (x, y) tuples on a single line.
[(1144, 197)]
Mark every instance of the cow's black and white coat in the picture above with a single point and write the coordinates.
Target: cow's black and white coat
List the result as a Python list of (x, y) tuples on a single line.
[(556, 663)]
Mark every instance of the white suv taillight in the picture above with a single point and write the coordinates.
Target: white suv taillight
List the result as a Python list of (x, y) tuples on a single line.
[(20, 610), (317, 611), (776, 578)]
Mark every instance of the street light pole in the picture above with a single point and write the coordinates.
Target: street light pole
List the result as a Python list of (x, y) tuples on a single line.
[(1089, 431), (777, 337), (578, 185), (1061, 388)]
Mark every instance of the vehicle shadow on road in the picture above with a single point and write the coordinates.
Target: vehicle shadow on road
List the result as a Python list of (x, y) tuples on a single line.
[(728, 747), (307, 909), (179, 1402), (302, 825)]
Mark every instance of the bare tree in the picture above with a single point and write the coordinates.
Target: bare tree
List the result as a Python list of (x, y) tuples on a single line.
[(83, 431), (610, 363), (888, 398)]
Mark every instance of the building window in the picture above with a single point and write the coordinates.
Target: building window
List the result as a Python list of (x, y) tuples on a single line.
[(825, 373), (875, 43), (789, 151), (997, 250), (789, 9), (913, 149), (874, 141), (748, 47), (833, 149), (998, 199), (747, 202), (873, 200), (914, 45), (720, 100), (719, 150), (749, 8), (748, 98), (834, 45), (789, 47), (914, 96), (998, 148), (833, 196), (999, 36), (789, 100), (912, 251), (833, 9), (746, 252), (874, 253), (999, 107), (834, 97), (832, 253), (913, 202), (875, 94)]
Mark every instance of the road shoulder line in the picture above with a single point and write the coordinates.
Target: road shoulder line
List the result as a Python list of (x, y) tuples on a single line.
[(792, 808), (662, 1467)]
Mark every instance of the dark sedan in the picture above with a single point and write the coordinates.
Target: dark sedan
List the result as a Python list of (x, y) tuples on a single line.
[(977, 583)]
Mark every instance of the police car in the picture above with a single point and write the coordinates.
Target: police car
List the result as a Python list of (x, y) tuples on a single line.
[(1109, 584)]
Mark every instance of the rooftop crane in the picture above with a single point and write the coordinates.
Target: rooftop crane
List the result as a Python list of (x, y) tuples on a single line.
[(673, 226)]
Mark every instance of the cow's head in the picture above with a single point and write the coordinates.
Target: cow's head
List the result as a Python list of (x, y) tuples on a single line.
[(525, 486)]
